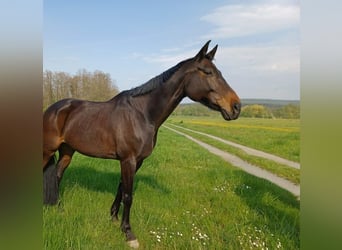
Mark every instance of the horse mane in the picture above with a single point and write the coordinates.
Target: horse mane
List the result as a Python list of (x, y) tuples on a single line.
[(155, 82)]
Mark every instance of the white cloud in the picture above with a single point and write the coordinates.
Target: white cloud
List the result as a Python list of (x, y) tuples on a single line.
[(242, 20), (261, 71), (262, 59), (168, 60)]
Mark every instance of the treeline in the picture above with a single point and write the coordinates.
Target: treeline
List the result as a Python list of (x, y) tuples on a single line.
[(93, 86), (288, 111)]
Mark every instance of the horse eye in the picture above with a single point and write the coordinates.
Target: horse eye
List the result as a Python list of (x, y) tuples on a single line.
[(205, 70)]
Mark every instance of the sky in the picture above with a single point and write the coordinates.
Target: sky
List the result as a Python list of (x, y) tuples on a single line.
[(258, 41)]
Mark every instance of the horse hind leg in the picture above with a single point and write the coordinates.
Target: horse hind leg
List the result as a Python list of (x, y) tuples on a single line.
[(52, 124), (65, 156), (52, 173), (114, 210)]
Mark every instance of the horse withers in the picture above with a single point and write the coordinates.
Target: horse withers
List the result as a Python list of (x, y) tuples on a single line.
[(125, 127)]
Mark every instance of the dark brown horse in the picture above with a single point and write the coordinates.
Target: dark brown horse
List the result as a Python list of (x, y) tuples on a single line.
[(125, 128)]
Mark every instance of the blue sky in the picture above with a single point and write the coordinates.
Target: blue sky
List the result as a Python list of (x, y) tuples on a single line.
[(133, 41)]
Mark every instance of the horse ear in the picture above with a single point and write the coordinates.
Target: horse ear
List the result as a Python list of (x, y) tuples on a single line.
[(201, 54), (211, 54)]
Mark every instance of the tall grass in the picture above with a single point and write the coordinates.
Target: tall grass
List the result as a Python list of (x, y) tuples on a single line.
[(184, 198)]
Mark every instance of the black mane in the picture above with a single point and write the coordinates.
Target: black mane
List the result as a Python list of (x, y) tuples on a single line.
[(155, 82)]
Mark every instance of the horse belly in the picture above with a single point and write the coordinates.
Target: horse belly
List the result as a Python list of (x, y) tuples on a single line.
[(95, 142)]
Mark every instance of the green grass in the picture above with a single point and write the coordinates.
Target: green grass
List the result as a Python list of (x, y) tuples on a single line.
[(276, 136), (280, 170), (184, 198)]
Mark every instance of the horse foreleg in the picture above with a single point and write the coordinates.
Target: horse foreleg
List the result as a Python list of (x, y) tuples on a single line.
[(128, 168)]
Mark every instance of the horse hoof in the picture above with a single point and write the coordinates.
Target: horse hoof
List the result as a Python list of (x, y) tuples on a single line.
[(133, 243)]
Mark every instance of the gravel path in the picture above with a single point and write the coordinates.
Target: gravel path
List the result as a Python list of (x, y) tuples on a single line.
[(238, 162)]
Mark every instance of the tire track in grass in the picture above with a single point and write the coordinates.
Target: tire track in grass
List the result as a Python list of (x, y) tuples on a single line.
[(248, 150), (249, 168)]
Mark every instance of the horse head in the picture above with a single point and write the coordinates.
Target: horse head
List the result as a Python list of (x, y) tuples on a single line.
[(205, 84)]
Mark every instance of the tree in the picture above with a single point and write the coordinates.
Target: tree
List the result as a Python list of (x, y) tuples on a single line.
[(256, 111), (289, 111), (97, 86), (48, 93)]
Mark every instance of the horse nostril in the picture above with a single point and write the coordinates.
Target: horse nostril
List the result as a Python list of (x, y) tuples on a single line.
[(237, 107)]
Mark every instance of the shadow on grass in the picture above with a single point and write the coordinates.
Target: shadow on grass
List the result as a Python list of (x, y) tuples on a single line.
[(102, 181), (278, 206)]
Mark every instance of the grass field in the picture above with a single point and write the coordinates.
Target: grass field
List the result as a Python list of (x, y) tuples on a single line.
[(279, 137), (276, 136), (184, 198)]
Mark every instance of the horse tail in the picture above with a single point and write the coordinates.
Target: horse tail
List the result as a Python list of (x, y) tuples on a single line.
[(50, 183)]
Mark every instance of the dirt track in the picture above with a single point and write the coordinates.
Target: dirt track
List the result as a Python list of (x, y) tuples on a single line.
[(250, 151), (249, 168)]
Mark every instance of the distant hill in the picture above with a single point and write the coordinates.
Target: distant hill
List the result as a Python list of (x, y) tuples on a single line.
[(269, 102)]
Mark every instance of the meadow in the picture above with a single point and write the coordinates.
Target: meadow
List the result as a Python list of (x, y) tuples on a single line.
[(184, 198), (276, 136), (280, 137)]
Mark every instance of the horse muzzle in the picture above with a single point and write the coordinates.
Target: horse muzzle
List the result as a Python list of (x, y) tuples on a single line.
[(233, 114)]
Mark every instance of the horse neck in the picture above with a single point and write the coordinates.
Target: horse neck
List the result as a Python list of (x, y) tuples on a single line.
[(163, 100)]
